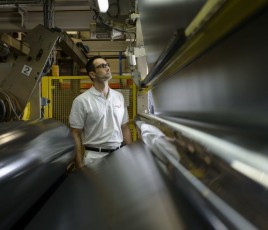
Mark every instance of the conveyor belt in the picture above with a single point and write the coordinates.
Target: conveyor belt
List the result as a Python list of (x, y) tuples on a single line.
[(125, 191)]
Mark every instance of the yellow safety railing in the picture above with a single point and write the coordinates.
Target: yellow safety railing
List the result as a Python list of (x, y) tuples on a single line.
[(60, 92)]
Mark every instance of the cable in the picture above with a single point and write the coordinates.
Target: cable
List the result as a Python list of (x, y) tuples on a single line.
[(97, 17), (12, 104)]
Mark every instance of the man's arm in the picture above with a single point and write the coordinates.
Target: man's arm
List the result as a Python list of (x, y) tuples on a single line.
[(126, 134), (78, 148)]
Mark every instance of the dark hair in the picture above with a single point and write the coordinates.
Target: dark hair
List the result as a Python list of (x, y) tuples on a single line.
[(90, 66)]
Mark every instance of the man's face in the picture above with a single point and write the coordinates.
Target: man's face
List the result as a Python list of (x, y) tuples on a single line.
[(102, 70)]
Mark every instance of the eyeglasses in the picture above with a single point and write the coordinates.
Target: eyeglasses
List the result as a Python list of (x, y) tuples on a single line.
[(103, 65)]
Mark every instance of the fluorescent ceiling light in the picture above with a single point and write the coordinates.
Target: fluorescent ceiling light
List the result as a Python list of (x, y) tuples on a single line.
[(71, 32), (103, 5)]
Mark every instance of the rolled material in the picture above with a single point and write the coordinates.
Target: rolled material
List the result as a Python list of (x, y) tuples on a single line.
[(33, 157)]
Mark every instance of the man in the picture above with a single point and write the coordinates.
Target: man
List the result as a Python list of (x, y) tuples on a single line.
[(99, 117)]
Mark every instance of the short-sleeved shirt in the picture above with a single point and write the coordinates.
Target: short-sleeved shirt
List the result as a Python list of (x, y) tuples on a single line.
[(99, 117)]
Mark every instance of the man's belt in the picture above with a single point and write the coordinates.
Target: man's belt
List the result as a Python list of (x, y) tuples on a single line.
[(101, 149)]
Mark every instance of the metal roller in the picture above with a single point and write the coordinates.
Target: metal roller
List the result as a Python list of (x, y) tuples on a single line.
[(33, 157)]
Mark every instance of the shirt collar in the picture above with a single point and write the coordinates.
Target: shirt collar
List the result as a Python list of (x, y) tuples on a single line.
[(97, 93)]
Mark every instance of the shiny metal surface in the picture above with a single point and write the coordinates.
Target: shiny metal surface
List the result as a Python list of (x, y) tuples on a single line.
[(226, 85), (161, 19), (228, 169), (214, 108), (33, 156), (125, 191), (214, 21)]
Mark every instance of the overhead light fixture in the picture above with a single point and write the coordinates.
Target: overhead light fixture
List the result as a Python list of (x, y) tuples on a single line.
[(103, 5), (71, 32)]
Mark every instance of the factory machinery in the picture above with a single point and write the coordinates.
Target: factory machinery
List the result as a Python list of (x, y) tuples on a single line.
[(200, 161)]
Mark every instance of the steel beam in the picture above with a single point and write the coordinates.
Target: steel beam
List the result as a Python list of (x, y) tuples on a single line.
[(102, 46), (16, 45), (67, 44)]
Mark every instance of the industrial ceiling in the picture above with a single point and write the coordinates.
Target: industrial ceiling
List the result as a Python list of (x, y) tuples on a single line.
[(65, 14)]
